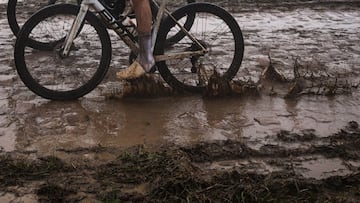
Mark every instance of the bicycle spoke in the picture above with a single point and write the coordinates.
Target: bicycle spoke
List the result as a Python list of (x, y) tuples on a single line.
[(212, 28), (211, 31), (68, 73)]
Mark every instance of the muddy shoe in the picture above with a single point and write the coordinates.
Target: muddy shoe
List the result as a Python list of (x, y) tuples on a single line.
[(135, 70)]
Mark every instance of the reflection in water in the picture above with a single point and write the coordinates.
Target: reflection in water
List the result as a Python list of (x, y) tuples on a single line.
[(176, 120), (195, 119)]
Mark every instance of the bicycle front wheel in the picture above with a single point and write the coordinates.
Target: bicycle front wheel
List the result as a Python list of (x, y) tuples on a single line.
[(51, 75), (217, 31)]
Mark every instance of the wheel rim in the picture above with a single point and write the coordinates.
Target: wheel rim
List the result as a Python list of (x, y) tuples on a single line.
[(216, 35), (58, 74)]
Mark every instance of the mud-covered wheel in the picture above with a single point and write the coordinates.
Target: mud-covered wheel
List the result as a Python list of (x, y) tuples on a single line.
[(217, 31), (46, 72)]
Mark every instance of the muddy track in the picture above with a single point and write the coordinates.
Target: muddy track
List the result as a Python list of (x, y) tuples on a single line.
[(188, 173), (286, 131)]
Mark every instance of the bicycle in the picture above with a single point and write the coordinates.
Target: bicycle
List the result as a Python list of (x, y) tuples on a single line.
[(27, 8), (79, 63)]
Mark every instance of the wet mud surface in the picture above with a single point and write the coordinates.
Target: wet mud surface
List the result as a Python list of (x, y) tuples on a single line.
[(286, 129), (322, 170)]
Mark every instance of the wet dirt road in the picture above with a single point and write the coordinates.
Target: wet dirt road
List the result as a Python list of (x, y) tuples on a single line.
[(327, 34)]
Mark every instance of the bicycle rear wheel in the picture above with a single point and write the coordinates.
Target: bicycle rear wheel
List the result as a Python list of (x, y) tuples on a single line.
[(217, 31), (52, 76)]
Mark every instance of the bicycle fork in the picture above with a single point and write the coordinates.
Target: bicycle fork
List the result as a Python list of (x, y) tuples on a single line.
[(75, 27)]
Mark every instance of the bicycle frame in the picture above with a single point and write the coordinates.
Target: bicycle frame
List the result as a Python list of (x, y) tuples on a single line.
[(124, 33)]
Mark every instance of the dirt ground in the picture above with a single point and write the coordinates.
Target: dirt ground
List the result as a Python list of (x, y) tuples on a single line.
[(293, 138), (173, 174)]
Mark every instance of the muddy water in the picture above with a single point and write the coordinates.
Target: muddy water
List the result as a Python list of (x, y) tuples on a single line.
[(50, 126), (329, 35)]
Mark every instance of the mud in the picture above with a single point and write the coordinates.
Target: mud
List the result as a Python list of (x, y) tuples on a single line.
[(285, 130), (226, 171)]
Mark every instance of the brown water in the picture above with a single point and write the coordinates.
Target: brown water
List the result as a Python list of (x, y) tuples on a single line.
[(30, 124), (51, 126)]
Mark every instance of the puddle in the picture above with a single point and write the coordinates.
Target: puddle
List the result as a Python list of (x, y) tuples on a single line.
[(308, 167), (321, 168), (258, 166), (51, 126)]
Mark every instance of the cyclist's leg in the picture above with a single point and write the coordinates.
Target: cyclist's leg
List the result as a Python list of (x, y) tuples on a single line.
[(143, 15), (145, 60)]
